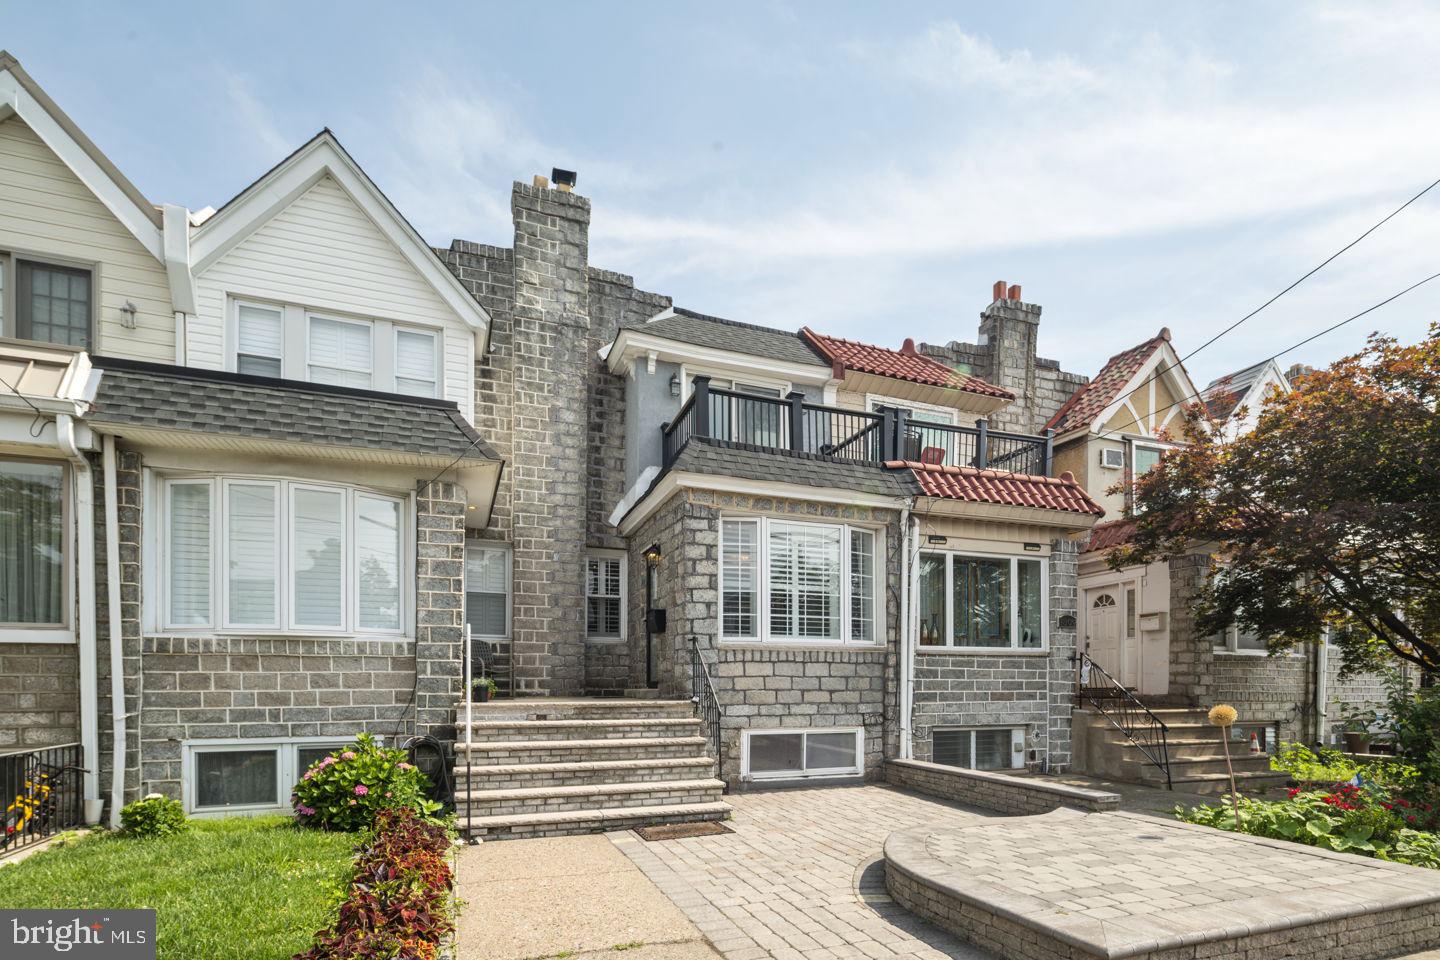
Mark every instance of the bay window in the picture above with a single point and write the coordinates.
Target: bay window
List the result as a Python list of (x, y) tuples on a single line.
[(797, 582), (247, 554), (33, 545), (980, 603)]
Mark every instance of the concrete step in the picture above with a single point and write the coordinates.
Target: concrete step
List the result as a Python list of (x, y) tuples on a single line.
[(547, 708), (1220, 783), (512, 775), (570, 822), (527, 800), (484, 753), (1187, 766), (579, 729)]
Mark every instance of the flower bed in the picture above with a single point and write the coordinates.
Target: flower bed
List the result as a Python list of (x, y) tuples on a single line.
[(397, 903), (1364, 820)]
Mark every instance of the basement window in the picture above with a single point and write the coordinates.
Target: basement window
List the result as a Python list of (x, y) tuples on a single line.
[(979, 748), (246, 776), (794, 754)]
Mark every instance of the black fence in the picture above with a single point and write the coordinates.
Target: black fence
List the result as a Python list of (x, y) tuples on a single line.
[(707, 705), (43, 790), (887, 434)]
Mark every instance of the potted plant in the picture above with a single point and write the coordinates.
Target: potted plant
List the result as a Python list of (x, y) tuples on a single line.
[(482, 689), (1355, 723)]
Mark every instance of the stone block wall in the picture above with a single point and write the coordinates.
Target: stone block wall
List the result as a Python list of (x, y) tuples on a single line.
[(439, 606), (39, 695), (1013, 689), (763, 686), (129, 525), (1001, 792), (1191, 655)]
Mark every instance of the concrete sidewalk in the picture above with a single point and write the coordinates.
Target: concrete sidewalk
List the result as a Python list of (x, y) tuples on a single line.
[(577, 898)]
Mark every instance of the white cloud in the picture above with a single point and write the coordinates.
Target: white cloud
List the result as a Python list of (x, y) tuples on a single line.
[(255, 115)]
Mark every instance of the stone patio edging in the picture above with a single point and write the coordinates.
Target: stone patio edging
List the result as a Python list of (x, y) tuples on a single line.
[(1001, 792)]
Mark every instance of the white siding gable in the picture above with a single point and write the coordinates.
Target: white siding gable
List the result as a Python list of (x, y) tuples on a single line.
[(46, 211), (323, 252)]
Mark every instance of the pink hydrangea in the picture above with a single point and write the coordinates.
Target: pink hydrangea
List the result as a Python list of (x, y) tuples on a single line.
[(361, 789), (305, 811), (327, 761), (406, 766), (308, 774), (348, 755)]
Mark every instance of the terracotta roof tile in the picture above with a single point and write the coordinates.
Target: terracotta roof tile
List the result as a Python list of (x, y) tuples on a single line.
[(1000, 487), (1108, 536), (1090, 401), (902, 364)]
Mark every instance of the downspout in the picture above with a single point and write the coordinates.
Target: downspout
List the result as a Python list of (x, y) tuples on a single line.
[(1322, 693), (907, 661), (117, 650), (85, 590)]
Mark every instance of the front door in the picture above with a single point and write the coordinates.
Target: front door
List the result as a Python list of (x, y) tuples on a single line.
[(1102, 630)]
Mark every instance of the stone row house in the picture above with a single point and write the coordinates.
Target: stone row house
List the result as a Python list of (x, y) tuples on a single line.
[(264, 468)]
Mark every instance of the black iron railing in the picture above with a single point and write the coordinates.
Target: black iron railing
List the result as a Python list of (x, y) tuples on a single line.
[(1124, 711), (43, 791), (707, 705), (887, 434)]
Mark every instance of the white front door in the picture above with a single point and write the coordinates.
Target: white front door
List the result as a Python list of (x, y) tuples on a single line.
[(1102, 630)]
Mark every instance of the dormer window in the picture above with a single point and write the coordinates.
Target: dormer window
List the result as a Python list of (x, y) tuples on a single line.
[(280, 340)]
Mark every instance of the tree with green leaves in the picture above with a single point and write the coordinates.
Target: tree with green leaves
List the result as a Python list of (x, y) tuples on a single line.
[(1326, 515)]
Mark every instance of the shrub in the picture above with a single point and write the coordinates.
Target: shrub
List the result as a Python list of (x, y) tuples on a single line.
[(1325, 767), (345, 790), (156, 815), (398, 900)]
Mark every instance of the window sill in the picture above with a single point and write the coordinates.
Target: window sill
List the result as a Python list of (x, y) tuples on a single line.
[(982, 651), (605, 641), (36, 635), (272, 635), (1255, 654), (824, 647)]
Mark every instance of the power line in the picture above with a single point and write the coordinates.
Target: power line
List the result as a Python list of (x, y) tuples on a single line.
[(1295, 346), (1314, 270), (39, 416)]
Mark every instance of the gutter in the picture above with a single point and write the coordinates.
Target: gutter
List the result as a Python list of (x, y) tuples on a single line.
[(117, 650), (85, 591)]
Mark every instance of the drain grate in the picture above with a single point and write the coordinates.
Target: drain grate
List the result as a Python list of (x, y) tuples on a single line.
[(682, 831)]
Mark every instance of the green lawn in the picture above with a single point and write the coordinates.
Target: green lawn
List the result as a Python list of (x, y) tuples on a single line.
[(244, 888)]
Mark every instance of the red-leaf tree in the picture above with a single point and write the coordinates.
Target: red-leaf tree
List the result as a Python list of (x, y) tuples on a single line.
[(1326, 515)]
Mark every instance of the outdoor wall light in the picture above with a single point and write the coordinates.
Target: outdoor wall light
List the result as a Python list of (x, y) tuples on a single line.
[(652, 554), (934, 538), (128, 320), (1032, 547), (674, 384)]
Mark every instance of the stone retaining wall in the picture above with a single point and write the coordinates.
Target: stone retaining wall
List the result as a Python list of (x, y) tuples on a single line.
[(1005, 793)]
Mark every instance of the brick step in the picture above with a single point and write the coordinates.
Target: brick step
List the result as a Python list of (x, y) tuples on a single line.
[(1186, 766), (544, 708), (570, 822), (526, 800), (484, 753), (506, 775), (1220, 783), (580, 729), (1183, 748)]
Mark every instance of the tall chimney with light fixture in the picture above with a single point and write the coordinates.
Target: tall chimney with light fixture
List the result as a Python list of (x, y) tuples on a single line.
[(1008, 329)]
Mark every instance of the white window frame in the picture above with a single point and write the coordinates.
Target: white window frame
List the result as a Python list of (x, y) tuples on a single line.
[(824, 773), (762, 549), (222, 558), (62, 632), (279, 308), (620, 556), (158, 559), (369, 325), (509, 554), (435, 367), (1231, 646), (688, 373), (1017, 745), (949, 646), (287, 771)]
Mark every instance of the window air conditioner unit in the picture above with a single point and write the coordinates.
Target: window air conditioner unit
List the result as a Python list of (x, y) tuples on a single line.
[(1112, 459)]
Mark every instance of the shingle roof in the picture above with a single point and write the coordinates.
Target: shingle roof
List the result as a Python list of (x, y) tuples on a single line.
[(722, 458), (215, 402), (687, 326), (1224, 394), (902, 364), (1090, 401), (1109, 535), (999, 487)]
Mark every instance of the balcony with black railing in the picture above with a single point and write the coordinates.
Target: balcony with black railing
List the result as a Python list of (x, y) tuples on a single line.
[(792, 424)]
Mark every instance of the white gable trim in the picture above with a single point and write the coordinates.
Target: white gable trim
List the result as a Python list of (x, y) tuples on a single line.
[(1175, 375), (21, 97), (321, 157)]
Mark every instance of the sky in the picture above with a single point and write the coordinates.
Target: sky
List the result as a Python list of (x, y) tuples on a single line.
[(866, 169)]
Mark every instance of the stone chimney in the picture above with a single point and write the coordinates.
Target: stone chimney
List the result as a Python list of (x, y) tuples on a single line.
[(1008, 329)]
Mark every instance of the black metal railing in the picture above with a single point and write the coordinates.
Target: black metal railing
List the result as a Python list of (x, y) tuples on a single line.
[(1118, 704), (887, 434), (43, 791), (707, 705)]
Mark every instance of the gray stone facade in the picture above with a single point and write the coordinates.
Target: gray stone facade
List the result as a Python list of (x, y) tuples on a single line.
[(39, 695), (1016, 689)]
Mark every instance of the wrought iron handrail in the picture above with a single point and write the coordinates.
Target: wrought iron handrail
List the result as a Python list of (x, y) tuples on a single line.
[(707, 704), (43, 792), (1118, 704)]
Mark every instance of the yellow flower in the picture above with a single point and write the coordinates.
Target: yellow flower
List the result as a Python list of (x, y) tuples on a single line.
[(1222, 715)]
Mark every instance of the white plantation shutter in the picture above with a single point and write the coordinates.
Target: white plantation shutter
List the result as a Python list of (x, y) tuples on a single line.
[(318, 556), (377, 561), (188, 555), (252, 554), (259, 341), (487, 583), (862, 586), (739, 576), (804, 581), (603, 597), (415, 363), (340, 352)]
